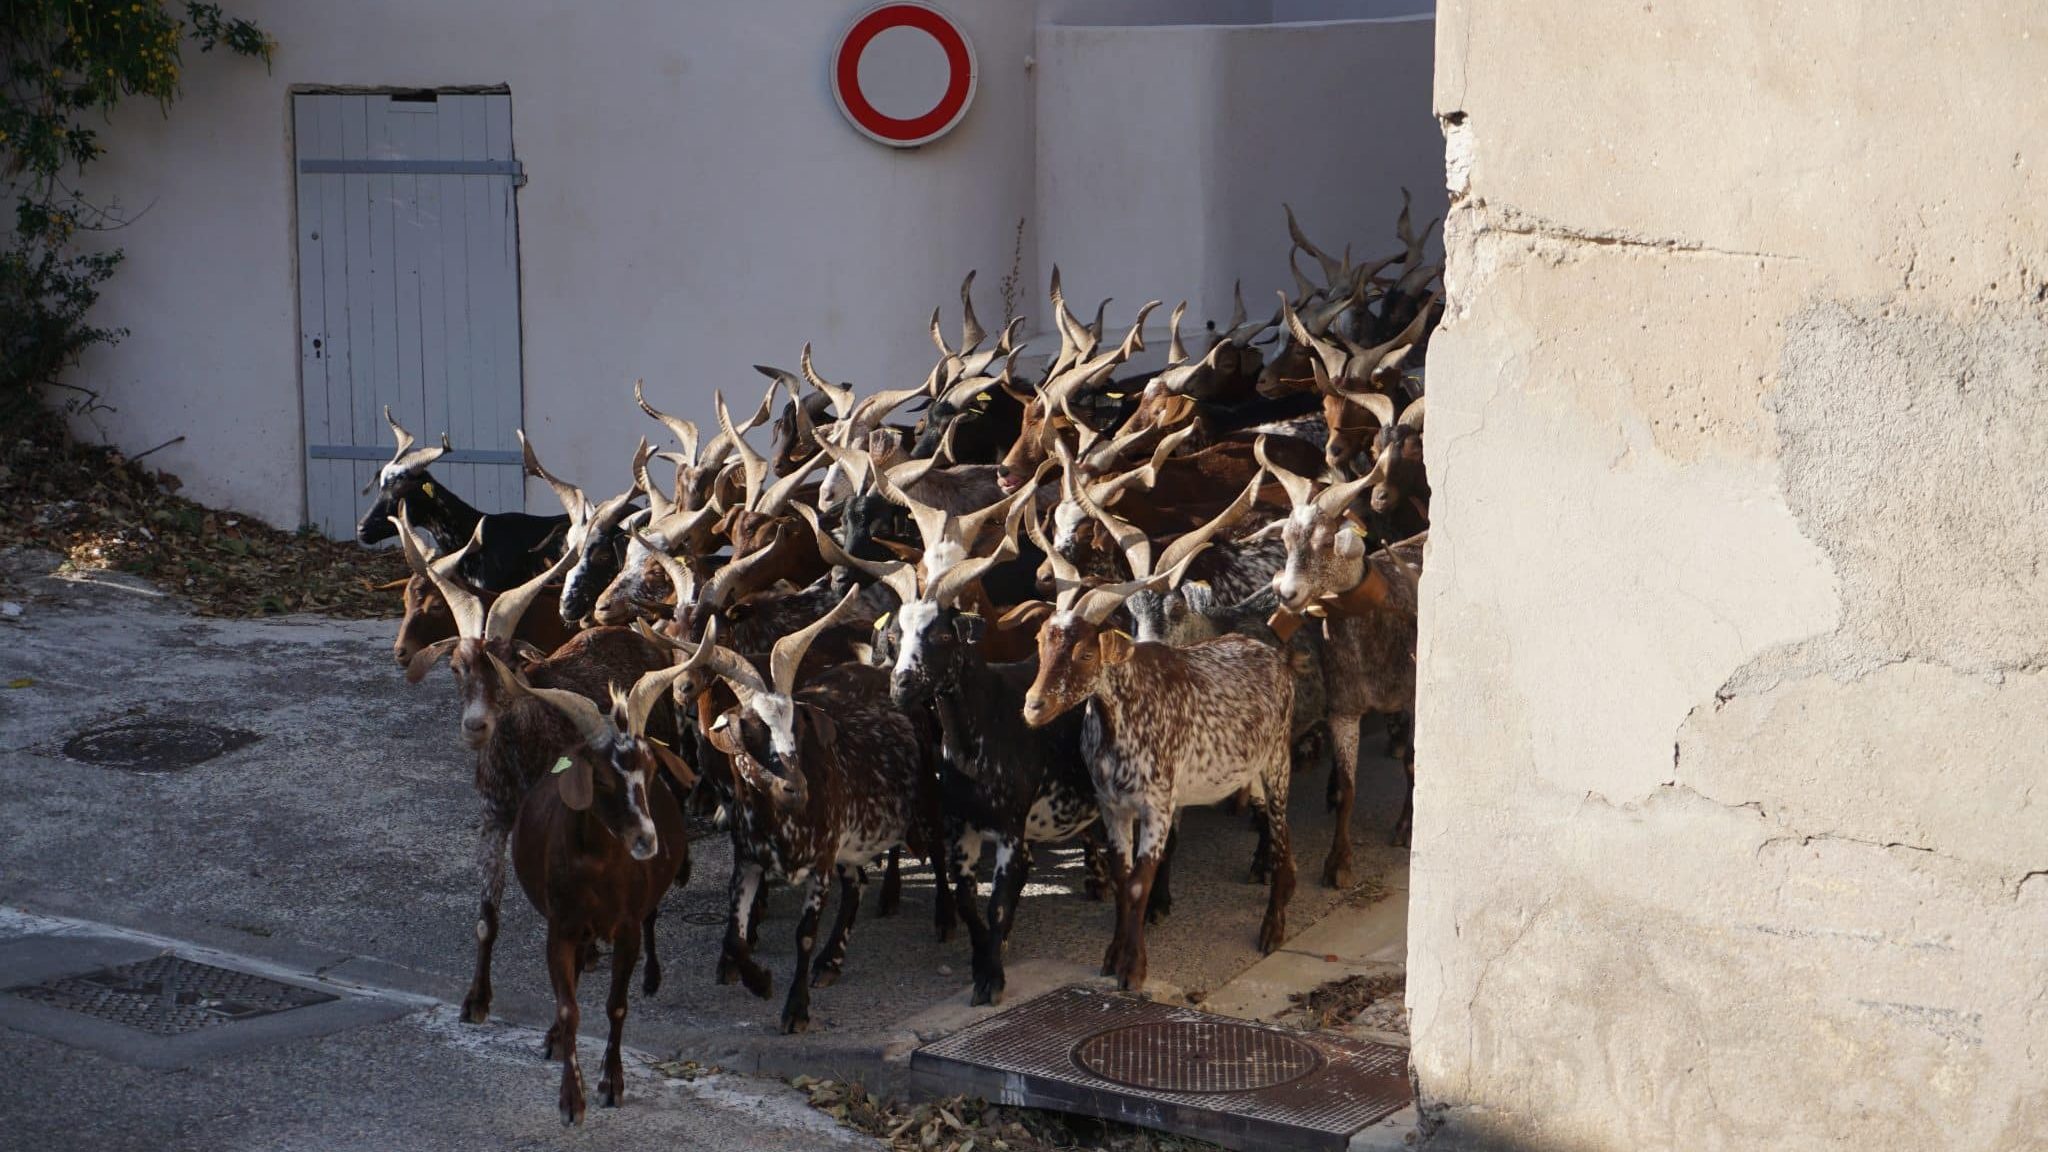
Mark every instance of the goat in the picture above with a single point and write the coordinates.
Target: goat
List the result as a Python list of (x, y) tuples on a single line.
[(513, 742), (1170, 727), (427, 621), (509, 546), (1369, 605), (595, 853), (827, 777)]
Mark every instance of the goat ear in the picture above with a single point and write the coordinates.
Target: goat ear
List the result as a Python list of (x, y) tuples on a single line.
[(528, 652), (674, 765), (1115, 647), (574, 781), (969, 627), (1028, 612), (424, 660), (723, 736), (828, 731)]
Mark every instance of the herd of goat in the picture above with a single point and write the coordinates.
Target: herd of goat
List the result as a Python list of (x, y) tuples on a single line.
[(1047, 609)]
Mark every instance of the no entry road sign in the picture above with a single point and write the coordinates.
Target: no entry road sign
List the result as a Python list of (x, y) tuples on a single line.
[(903, 73)]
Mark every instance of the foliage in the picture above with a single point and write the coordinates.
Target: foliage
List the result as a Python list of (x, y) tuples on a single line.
[(64, 67)]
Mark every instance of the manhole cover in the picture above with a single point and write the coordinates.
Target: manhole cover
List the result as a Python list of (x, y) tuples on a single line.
[(154, 745), (1199, 1056), (170, 995)]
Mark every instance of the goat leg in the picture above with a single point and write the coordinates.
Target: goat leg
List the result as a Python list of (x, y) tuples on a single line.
[(1401, 742), (1159, 904), (1117, 858), (1273, 929), (736, 961), (1013, 863), (796, 1009), (1094, 865), (1130, 974), (611, 1087), (1337, 872), (963, 852), (891, 897), (562, 955), (651, 981), (490, 859), (852, 883)]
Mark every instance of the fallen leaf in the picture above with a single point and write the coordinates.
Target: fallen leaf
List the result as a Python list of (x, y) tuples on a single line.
[(22, 682)]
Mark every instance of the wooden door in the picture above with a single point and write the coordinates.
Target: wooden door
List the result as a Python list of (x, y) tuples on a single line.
[(408, 292)]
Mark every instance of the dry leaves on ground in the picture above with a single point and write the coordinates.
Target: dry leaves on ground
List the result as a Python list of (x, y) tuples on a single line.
[(100, 510), (967, 1124), (1376, 1001)]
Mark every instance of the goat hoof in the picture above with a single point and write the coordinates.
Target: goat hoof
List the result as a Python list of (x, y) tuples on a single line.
[(758, 981), (1338, 874), (609, 1093), (571, 1102), (475, 1009), (650, 980), (1159, 912), (1094, 889), (793, 1023), (1272, 934), (824, 976), (986, 992)]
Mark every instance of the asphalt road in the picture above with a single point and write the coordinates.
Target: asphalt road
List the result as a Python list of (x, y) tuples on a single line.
[(339, 840)]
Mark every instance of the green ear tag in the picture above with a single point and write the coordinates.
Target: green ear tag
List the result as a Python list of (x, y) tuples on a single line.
[(561, 766)]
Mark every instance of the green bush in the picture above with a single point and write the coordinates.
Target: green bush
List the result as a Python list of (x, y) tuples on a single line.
[(63, 64)]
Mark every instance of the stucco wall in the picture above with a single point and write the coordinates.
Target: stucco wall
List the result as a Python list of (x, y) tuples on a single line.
[(695, 205), (1735, 621)]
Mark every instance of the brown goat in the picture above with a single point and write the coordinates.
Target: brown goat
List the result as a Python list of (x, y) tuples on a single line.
[(428, 621), (596, 853)]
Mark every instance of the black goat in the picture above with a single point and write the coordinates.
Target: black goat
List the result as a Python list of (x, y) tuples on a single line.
[(512, 547)]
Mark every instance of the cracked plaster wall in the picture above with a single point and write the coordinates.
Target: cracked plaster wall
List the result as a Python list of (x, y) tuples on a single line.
[(1734, 647)]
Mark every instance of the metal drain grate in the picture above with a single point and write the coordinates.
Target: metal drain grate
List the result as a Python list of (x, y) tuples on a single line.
[(170, 995), (159, 745), (1196, 1056), (1241, 1085)]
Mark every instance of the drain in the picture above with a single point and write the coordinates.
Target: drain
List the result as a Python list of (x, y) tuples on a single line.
[(1241, 1085), (161, 745), (171, 996), (1196, 1056)]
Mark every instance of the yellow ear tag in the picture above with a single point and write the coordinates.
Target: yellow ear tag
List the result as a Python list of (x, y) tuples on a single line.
[(1122, 633), (428, 488), (882, 621), (561, 766), (657, 740), (1357, 529), (1115, 395), (981, 397)]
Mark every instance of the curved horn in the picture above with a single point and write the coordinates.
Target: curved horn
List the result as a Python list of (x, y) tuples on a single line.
[(970, 526), (1097, 603), (658, 503), (1188, 544), (466, 606), (788, 654), (680, 576), (1130, 539), (1297, 485), (590, 723), (971, 331), (1381, 407), (752, 464), (1066, 579), (899, 576), (731, 667), (572, 498), (1176, 352), (1411, 417), (1332, 270), (1336, 498), (840, 394), (685, 431), (503, 618), (946, 589), (649, 689), (406, 460)]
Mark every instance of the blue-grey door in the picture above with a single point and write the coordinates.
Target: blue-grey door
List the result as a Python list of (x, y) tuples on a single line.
[(408, 292)]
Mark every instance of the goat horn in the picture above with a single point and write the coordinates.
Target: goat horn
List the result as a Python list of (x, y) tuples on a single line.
[(971, 525), (753, 466), (652, 686), (869, 414), (1332, 270), (947, 587), (946, 351), (1333, 500), (971, 331), (1307, 290), (466, 606), (1411, 417), (406, 460), (658, 502), (840, 394), (899, 576), (503, 619), (1065, 323), (1066, 579), (788, 654), (1130, 539), (720, 588), (685, 431), (572, 498), (778, 494), (731, 667), (590, 723), (1236, 305), (1297, 485), (931, 522), (1176, 352), (1381, 406), (1188, 544), (679, 573), (1096, 604)]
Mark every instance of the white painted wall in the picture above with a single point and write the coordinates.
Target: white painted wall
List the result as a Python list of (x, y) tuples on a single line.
[(696, 204), (1165, 153)]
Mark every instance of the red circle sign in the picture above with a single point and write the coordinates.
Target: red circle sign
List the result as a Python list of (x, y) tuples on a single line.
[(922, 51)]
